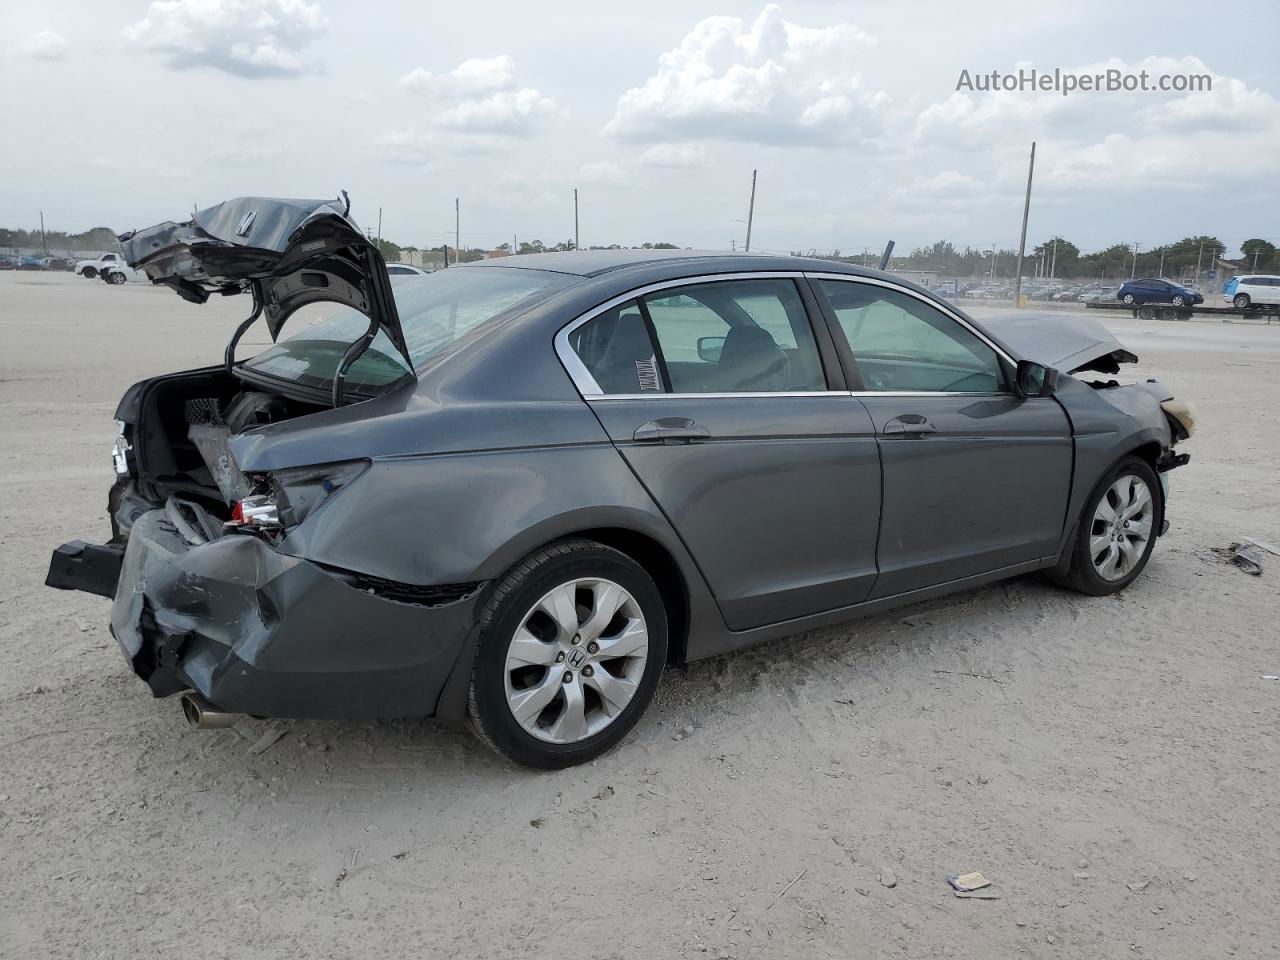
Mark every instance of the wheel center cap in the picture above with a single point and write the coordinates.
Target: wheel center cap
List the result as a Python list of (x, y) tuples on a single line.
[(576, 658)]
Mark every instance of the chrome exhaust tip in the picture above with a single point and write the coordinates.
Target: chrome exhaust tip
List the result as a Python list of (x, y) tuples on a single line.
[(203, 715)]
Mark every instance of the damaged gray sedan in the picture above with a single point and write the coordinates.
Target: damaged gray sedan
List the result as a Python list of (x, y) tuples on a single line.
[(514, 491)]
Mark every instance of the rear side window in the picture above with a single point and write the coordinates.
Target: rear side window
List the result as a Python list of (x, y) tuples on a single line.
[(903, 344), (616, 350), (736, 336), (732, 336)]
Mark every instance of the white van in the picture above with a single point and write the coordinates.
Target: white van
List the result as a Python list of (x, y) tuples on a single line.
[(1244, 292)]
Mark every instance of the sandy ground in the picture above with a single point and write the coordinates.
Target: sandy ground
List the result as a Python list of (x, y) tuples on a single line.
[(1111, 764)]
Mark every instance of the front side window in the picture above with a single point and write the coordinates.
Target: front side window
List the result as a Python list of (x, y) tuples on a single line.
[(903, 344)]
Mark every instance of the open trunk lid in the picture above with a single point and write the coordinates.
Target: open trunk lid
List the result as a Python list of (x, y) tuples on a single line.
[(287, 253)]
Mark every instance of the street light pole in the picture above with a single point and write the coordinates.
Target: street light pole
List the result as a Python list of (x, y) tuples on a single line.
[(1022, 240), (751, 211), (1133, 272), (576, 244)]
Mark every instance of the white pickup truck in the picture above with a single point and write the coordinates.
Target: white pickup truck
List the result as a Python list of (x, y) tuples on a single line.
[(91, 268)]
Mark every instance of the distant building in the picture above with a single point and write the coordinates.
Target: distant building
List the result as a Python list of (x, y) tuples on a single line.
[(926, 278)]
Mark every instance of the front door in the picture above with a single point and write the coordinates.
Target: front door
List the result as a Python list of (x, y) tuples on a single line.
[(976, 479), (715, 393)]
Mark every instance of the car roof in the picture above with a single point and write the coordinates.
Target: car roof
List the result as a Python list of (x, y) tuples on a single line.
[(658, 265)]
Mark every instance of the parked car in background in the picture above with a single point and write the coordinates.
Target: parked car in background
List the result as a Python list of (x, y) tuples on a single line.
[(91, 268), (1252, 290), (405, 270), (8, 263), (1153, 290), (30, 263), (1097, 294), (118, 273), (516, 490)]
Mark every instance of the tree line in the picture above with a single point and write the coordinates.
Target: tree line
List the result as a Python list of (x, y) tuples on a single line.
[(1114, 262)]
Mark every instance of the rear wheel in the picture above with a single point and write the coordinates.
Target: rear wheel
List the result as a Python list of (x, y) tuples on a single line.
[(572, 643), (89, 273), (1129, 299), (1241, 301), (1117, 530)]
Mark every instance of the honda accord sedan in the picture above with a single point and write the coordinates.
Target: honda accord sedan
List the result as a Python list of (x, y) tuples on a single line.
[(513, 491)]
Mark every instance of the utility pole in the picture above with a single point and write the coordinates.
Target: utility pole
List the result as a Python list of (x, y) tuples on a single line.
[(457, 229), (379, 226), (576, 244), (1160, 272), (993, 261), (733, 245), (515, 248), (1198, 256), (1133, 271), (1022, 242), (1255, 253), (1053, 263), (44, 242), (751, 211)]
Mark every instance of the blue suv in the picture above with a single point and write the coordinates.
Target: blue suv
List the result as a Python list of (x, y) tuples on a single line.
[(1157, 291)]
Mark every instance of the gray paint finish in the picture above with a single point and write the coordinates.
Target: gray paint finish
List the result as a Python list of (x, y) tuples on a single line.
[(772, 524)]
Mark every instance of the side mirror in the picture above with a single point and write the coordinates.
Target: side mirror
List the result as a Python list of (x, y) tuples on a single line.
[(709, 349), (1035, 379)]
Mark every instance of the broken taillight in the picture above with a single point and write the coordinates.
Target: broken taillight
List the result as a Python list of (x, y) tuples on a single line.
[(257, 512)]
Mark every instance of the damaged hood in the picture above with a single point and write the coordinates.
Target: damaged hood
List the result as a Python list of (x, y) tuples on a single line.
[(1068, 344), (289, 252)]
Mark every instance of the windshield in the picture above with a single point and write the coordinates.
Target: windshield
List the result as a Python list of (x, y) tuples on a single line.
[(435, 310)]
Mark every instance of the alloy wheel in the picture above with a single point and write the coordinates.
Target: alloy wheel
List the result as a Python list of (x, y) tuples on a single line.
[(1123, 523), (576, 660)]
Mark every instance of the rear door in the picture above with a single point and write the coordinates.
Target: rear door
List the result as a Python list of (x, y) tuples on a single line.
[(976, 479), (716, 393)]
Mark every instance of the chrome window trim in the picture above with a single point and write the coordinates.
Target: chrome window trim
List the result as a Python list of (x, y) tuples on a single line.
[(590, 390), (607, 397)]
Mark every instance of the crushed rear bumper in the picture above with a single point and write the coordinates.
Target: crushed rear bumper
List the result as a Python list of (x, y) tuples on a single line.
[(258, 632)]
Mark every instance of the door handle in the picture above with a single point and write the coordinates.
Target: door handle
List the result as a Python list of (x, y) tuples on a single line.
[(670, 430), (908, 425)]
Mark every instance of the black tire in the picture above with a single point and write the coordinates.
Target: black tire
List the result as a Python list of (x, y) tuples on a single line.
[(89, 273), (1179, 301), (1146, 313), (489, 713), (1080, 574), (116, 278), (1129, 298), (1241, 301)]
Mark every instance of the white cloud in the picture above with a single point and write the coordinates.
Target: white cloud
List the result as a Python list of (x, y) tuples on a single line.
[(487, 101), (508, 112), (675, 156), (45, 45), (771, 82), (469, 78), (416, 147), (604, 173), (1104, 141), (246, 38)]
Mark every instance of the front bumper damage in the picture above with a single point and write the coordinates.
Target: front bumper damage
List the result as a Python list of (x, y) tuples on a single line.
[(259, 632)]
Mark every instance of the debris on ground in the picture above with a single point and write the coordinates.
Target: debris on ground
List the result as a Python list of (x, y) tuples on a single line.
[(1246, 556), (798, 878), (888, 878), (537, 822), (1271, 548), (966, 882), (268, 739), (1138, 885)]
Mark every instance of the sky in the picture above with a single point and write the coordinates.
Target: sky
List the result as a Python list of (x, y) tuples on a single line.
[(130, 113)]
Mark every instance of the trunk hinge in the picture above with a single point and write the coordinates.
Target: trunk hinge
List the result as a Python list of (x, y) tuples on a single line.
[(229, 359)]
